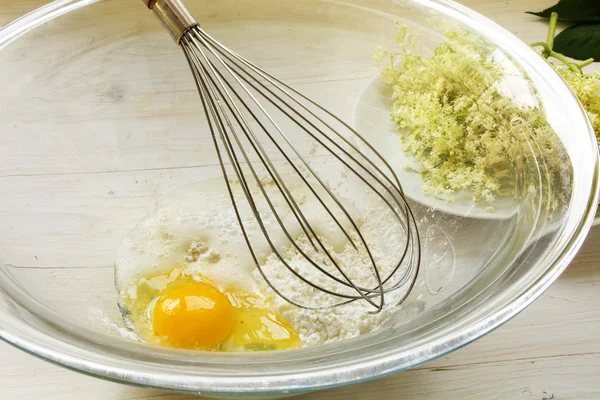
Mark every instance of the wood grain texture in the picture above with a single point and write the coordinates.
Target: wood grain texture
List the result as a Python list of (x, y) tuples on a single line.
[(549, 351)]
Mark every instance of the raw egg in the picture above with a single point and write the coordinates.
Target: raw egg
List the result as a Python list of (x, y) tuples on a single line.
[(191, 312)]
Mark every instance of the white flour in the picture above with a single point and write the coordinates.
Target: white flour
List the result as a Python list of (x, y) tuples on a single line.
[(337, 323)]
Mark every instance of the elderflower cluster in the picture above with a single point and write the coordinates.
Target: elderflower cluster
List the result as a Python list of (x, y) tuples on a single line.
[(453, 118), (587, 89)]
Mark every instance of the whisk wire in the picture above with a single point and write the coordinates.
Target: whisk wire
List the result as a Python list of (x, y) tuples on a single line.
[(223, 50), (224, 80), (284, 89), (198, 34), (386, 187), (207, 83)]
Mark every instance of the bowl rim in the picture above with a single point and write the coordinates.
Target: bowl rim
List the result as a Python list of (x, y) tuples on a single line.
[(71, 356)]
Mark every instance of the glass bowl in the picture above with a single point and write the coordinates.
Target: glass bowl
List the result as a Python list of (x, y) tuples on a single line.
[(99, 116)]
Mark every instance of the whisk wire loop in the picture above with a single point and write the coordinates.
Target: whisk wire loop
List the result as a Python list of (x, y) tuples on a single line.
[(209, 84), (235, 95)]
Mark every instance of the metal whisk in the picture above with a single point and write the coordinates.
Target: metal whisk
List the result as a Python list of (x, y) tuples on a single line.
[(260, 128)]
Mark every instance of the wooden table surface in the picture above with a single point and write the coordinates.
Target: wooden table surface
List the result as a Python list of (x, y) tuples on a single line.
[(549, 351)]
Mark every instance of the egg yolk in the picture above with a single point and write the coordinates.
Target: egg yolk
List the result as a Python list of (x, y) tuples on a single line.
[(196, 316)]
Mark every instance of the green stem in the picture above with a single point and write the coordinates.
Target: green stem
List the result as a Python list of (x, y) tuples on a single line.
[(544, 45), (549, 44), (586, 62), (552, 30), (572, 66)]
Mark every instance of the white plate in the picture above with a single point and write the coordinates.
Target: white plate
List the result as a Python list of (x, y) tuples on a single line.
[(372, 121)]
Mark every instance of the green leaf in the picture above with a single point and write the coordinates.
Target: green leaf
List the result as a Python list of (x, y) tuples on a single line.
[(573, 10), (579, 42)]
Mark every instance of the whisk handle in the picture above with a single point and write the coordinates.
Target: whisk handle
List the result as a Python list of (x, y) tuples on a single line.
[(149, 3), (173, 15)]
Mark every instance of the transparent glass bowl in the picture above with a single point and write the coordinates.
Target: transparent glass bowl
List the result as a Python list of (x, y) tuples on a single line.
[(99, 116)]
